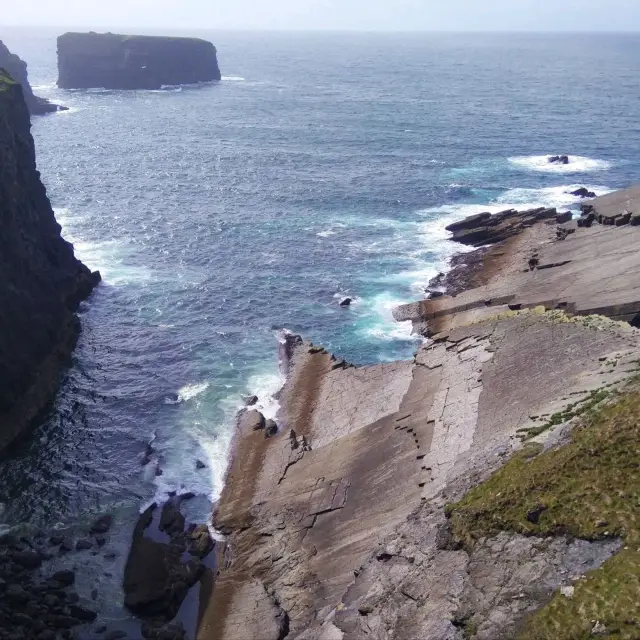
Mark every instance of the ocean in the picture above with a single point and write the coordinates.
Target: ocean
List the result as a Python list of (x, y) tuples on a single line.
[(321, 166)]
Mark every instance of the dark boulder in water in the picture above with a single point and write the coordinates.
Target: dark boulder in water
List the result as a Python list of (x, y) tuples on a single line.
[(41, 281), (17, 69), (346, 302), (559, 159), (114, 61), (583, 192), (158, 575)]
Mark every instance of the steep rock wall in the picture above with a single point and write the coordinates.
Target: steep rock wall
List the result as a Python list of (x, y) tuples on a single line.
[(115, 61), (17, 69), (41, 281)]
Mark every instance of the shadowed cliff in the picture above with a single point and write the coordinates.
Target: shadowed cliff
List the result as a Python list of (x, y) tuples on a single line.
[(41, 282), (116, 61), (17, 69)]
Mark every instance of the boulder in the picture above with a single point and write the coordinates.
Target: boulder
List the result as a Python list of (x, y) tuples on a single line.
[(270, 428), (116, 61), (84, 545), (559, 159), (346, 302), (253, 420), (199, 542), (250, 400), (102, 524), (583, 192), (171, 519), (157, 577), (200, 464), (27, 559), (586, 220), (563, 217), (66, 577), (81, 613)]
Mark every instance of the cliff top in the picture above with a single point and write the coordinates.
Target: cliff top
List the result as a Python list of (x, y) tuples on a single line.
[(94, 35)]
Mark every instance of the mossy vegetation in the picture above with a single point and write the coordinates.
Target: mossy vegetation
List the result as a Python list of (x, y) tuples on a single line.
[(6, 80), (588, 488), (578, 408)]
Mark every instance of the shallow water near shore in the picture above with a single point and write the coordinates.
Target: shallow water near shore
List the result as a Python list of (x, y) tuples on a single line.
[(321, 166)]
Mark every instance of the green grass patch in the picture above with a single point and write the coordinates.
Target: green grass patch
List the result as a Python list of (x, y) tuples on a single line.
[(588, 488), (5, 80), (578, 408)]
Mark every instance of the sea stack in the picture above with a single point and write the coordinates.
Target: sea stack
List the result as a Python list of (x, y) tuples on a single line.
[(113, 61), (41, 281), (17, 69)]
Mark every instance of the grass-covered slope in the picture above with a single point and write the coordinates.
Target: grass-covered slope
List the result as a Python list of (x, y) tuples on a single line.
[(588, 488)]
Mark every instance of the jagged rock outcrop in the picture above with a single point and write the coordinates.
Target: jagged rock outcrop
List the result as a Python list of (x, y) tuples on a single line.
[(164, 562), (17, 69), (116, 61), (617, 209), (340, 526), (487, 228), (595, 270), (41, 281)]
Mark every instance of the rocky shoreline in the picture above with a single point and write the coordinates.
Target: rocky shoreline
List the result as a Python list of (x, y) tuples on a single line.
[(338, 525)]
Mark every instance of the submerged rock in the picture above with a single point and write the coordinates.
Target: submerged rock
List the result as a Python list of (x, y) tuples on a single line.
[(346, 302), (115, 61), (559, 159)]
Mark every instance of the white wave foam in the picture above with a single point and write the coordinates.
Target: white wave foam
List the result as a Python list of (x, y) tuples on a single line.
[(266, 385), (547, 197), (326, 233), (197, 439), (379, 323), (577, 164), (40, 88), (191, 391), (233, 78), (110, 257)]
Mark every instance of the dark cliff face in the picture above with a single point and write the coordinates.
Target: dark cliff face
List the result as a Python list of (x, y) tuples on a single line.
[(41, 282), (115, 61), (17, 69)]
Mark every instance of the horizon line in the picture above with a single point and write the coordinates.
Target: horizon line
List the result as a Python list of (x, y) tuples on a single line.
[(323, 30)]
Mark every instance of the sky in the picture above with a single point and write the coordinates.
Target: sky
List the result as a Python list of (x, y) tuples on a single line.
[(359, 15)]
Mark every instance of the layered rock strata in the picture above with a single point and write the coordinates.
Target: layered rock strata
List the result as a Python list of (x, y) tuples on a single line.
[(41, 281), (114, 61), (336, 526)]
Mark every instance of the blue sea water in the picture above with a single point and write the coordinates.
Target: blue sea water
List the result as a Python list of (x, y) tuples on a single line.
[(322, 165)]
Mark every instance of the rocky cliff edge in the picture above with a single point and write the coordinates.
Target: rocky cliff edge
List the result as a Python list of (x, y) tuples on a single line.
[(17, 69), (41, 281), (485, 489)]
